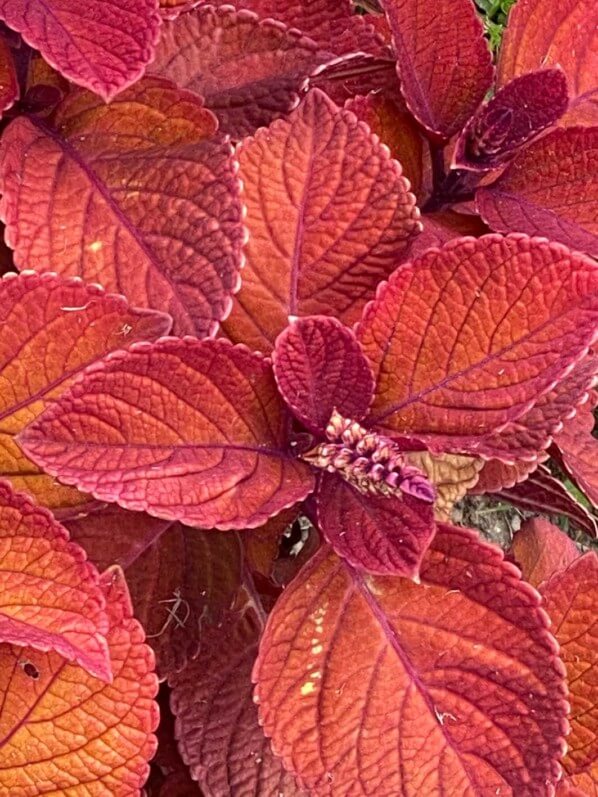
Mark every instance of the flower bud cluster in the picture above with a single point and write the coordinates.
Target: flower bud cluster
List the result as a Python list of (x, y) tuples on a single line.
[(369, 461)]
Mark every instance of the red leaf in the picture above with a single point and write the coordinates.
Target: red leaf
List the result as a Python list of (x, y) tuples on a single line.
[(441, 87), (550, 189), (9, 85), (50, 598), (394, 125), (541, 492), (65, 731), (333, 24), (356, 74), (442, 227), (50, 330), (545, 33), (179, 578), (217, 725), (184, 429), (106, 189), (249, 71), (570, 598), (371, 685), (579, 449), (328, 215), (319, 368), (532, 432), (541, 549), (481, 328), (386, 535), (103, 46), (496, 475), (515, 114)]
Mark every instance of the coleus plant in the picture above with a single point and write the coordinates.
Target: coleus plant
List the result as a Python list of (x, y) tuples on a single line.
[(350, 204)]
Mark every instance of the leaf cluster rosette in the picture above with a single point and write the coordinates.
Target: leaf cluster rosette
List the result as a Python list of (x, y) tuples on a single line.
[(289, 286)]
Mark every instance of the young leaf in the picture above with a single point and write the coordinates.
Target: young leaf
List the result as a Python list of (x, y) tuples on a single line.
[(543, 33), (375, 685), (579, 449), (179, 578), (570, 598), (442, 89), (541, 492), (51, 328), (319, 368), (101, 45), (542, 549), (216, 720), (388, 118), (61, 726), (249, 71), (328, 215), (50, 598), (515, 114), (387, 535), (481, 328), (137, 181), (183, 429), (550, 189)]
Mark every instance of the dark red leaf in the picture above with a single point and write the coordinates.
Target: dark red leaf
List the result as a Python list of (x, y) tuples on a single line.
[(216, 720), (579, 449), (319, 368), (184, 429), (550, 189), (137, 181), (542, 549), (442, 86), (328, 214), (541, 492), (104, 46), (248, 70), (516, 113), (386, 535), (361, 678), (180, 579)]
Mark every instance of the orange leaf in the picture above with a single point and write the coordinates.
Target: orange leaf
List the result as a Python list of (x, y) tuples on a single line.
[(571, 598), (328, 214), (63, 732), (50, 597), (541, 549), (375, 685), (51, 328)]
